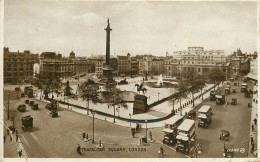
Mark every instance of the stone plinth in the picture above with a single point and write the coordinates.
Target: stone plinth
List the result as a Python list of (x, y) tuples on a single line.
[(140, 104)]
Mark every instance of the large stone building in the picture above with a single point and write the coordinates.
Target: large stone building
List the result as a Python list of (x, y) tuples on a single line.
[(18, 66), (171, 68), (134, 66), (196, 60), (144, 63), (156, 66), (240, 62), (55, 65), (124, 64)]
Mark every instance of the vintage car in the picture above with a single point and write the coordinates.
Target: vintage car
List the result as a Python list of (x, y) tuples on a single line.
[(21, 108), (31, 103), (234, 101), (54, 114), (35, 106), (224, 134)]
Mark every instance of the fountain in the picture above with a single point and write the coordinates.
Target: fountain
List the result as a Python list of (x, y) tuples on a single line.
[(160, 80)]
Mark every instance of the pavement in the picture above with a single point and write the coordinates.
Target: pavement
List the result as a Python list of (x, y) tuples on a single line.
[(254, 133)]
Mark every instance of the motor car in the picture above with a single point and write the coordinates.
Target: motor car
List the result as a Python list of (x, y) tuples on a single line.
[(21, 108)]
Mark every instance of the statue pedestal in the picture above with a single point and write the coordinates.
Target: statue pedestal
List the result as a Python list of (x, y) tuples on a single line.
[(140, 104)]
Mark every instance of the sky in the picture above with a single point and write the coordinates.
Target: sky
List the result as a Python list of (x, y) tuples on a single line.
[(137, 27)]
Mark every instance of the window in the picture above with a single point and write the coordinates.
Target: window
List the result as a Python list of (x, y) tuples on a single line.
[(198, 69)]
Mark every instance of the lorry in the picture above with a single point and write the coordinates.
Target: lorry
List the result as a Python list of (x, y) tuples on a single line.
[(204, 115), (185, 136), (170, 130)]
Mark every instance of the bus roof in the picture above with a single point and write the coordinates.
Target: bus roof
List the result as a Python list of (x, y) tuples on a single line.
[(186, 125), (167, 130), (204, 109), (173, 120)]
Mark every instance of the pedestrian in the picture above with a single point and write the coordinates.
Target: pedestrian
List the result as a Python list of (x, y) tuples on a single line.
[(79, 149), (4, 138), (11, 138), (151, 136), (255, 121), (20, 153), (16, 137), (248, 104), (252, 127), (252, 139), (7, 131), (133, 133), (252, 147), (84, 135)]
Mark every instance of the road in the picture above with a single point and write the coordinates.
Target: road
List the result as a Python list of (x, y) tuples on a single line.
[(59, 137)]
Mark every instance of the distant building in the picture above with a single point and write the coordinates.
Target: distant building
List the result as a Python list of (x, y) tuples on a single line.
[(171, 68), (198, 60), (99, 67), (156, 66), (18, 66), (55, 65), (134, 66), (144, 63), (114, 65), (240, 62), (124, 64)]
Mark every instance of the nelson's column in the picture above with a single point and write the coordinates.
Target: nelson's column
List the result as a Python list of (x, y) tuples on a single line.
[(107, 70)]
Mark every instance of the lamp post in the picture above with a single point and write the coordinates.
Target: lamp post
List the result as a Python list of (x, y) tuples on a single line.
[(130, 119), (8, 113), (146, 129), (114, 109), (93, 113)]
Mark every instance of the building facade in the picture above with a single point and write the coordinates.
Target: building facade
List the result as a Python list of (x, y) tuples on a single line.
[(156, 66), (197, 60), (18, 66), (124, 64), (55, 65)]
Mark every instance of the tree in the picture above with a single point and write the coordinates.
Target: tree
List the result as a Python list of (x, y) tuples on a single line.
[(190, 79), (182, 89), (200, 81), (67, 92), (89, 91), (216, 75), (51, 84)]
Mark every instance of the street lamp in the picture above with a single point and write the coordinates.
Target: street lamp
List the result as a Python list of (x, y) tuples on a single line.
[(130, 119), (114, 108), (93, 113), (8, 113), (146, 129)]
